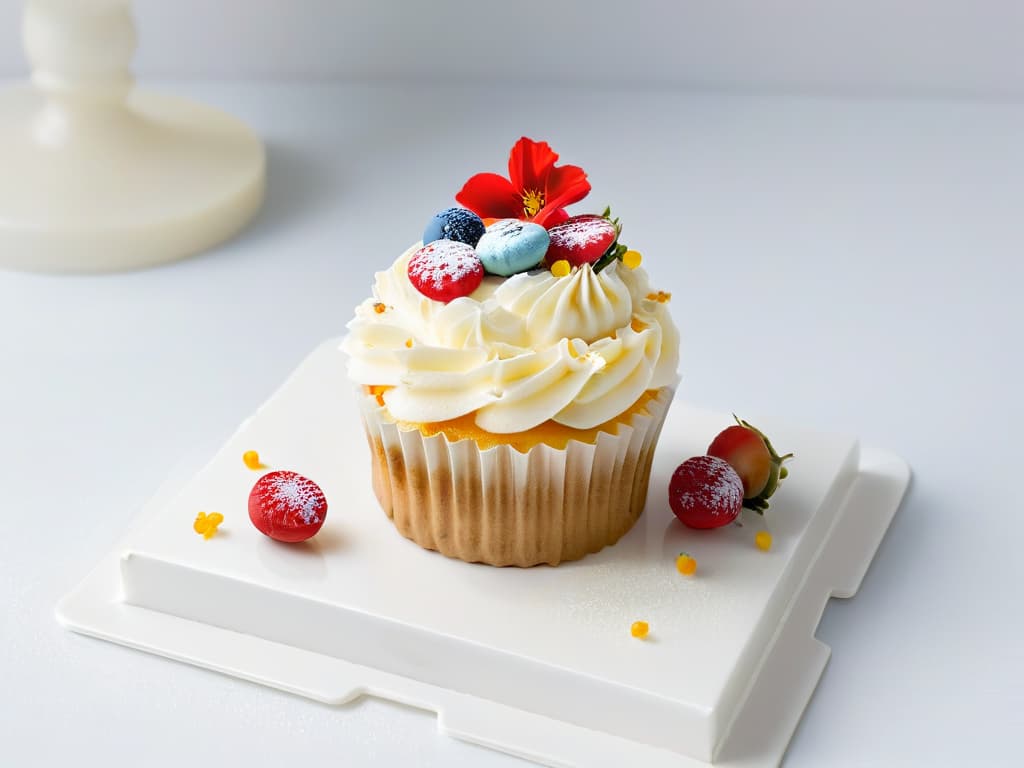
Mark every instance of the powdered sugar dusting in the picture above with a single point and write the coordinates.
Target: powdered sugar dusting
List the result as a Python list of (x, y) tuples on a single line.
[(444, 262), (506, 228), (289, 492), (578, 234)]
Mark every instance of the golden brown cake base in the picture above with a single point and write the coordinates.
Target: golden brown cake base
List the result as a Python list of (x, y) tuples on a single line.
[(503, 506)]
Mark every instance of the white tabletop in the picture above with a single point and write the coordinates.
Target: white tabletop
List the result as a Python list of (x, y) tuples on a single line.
[(846, 265)]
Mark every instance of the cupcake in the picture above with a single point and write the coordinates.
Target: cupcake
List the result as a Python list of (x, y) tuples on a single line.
[(513, 371)]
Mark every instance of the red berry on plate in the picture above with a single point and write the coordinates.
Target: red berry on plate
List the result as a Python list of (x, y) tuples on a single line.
[(580, 240), (746, 452), (287, 506), (444, 270), (705, 492), (751, 454)]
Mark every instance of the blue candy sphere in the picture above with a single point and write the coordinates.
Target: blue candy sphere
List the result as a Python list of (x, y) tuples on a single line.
[(509, 247), (455, 224)]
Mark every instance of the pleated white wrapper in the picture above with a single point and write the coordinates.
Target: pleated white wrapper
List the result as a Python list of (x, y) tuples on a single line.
[(503, 507)]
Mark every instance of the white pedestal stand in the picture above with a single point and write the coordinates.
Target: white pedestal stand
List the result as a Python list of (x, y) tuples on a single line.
[(95, 176)]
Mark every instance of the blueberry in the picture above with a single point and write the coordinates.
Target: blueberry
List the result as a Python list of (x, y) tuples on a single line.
[(455, 224)]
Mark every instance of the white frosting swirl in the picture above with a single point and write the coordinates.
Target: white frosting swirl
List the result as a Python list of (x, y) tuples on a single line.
[(578, 350), (584, 305)]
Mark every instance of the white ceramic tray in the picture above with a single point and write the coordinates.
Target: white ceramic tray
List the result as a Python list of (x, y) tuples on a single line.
[(536, 662)]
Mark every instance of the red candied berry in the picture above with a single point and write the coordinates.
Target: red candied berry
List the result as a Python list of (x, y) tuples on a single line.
[(749, 451), (746, 452), (580, 240), (705, 492), (287, 506), (445, 270)]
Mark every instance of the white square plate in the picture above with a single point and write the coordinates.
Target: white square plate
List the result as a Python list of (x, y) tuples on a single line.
[(537, 662)]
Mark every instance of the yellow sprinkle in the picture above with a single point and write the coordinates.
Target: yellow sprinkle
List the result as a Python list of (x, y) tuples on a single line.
[(639, 629), (632, 259), (206, 524), (252, 460), (408, 343), (379, 308), (686, 565), (561, 268), (637, 325), (763, 540)]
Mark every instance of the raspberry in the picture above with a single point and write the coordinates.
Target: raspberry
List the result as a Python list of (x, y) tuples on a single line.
[(705, 492)]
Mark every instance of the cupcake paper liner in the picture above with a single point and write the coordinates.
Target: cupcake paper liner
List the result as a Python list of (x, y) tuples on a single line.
[(503, 507)]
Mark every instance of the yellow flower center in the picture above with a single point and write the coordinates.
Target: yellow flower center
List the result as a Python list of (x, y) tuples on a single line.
[(533, 201)]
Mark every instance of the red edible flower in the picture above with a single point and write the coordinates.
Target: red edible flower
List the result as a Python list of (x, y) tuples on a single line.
[(537, 190)]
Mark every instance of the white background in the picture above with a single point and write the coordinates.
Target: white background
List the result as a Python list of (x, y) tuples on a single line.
[(849, 263), (964, 47)]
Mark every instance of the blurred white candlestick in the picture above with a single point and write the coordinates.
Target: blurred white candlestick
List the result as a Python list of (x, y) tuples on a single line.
[(97, 176)]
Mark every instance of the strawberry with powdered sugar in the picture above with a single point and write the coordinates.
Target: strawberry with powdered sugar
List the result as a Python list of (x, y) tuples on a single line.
[(581, 240), (444, 270), (287, 506)]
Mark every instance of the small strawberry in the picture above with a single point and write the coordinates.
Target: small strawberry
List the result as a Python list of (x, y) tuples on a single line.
[(287, 506), (752, 456), (581, 240), (705, 492), (444, 270)]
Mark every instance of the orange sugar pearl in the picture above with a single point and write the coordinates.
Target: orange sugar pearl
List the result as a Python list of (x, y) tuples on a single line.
[(639, 629), (251, 459), (632, 259), (378, 392), (408, 343), (686, 564), (379, 308), (206, 524), (763, 540), (561, 268)]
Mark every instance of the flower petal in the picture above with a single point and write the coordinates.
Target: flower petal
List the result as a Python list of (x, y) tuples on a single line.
[(549, 217), (567, 184), (529, 163), (489, 195)]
